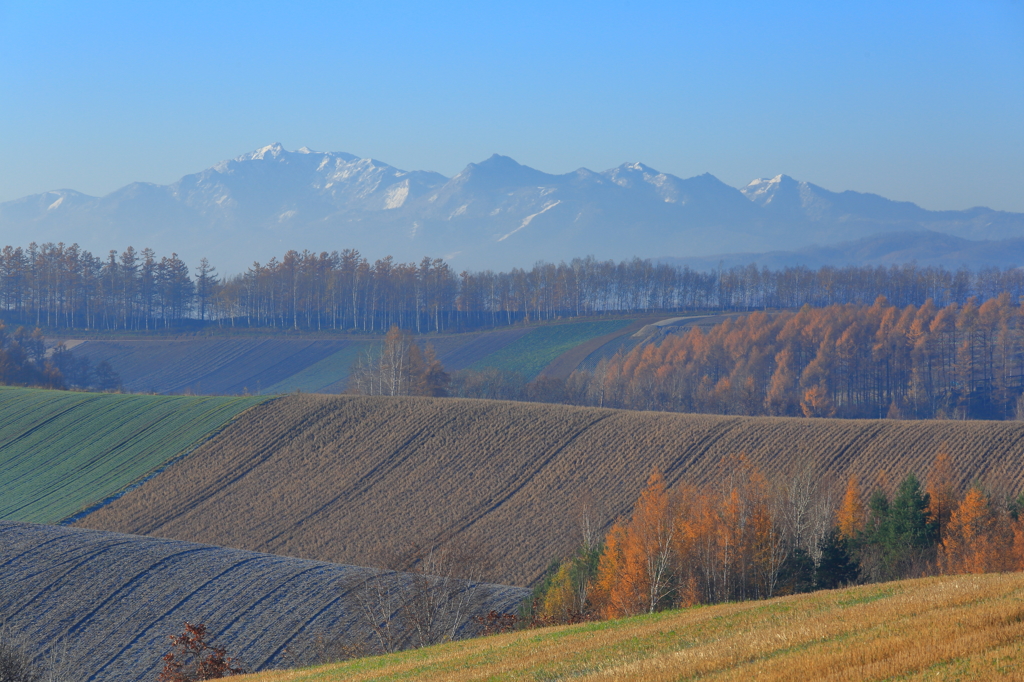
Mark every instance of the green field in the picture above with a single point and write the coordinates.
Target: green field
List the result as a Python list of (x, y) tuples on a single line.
[(333, 369), (530, 354), (62, 452), (963, 627)]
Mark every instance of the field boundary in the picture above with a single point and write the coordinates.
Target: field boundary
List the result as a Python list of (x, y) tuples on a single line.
[(78, 516)]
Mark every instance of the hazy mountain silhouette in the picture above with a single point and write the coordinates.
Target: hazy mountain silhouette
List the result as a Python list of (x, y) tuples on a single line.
[(494, 214)]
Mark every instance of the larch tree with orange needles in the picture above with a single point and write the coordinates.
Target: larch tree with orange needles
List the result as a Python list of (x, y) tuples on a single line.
[(941, 493), (852, 515), (977, 539), (633, 573)]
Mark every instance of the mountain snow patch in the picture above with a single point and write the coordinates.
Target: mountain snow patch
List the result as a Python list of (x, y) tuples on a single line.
[(396, 195), (528, 219)]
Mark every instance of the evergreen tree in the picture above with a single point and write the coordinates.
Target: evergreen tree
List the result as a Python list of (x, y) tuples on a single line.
[(900, 531), (797, 573), (836, 567)]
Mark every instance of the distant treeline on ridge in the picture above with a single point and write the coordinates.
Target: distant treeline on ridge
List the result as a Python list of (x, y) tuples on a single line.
[(60, 286)]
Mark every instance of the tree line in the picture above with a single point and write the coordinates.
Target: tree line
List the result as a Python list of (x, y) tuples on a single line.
[(26, 361), (882, 360), (748, 538), (67, 287)]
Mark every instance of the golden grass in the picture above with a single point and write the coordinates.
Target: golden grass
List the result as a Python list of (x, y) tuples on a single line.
[(341, 478), (949, 628)]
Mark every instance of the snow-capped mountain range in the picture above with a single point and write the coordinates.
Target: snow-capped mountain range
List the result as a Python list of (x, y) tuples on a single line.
[(494, 214)]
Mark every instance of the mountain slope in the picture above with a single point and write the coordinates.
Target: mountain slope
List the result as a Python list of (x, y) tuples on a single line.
[(494, 214), (926, 248)]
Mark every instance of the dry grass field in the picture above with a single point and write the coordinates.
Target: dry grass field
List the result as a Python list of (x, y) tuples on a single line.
[(114, 599), (950, 628), (340, 478)]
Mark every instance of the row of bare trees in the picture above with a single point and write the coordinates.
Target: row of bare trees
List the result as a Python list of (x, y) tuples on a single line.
[(60, 286)]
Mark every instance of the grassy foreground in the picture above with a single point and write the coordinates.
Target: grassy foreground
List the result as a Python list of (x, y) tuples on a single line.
[(949, 628)]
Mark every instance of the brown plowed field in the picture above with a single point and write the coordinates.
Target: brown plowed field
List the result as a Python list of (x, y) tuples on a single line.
[(340, 478)]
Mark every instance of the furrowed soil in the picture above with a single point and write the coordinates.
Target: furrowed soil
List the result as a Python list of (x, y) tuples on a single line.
[(115, 599), (346, 478), (62, 452), (274, 363), (212, 366), (949, 628)]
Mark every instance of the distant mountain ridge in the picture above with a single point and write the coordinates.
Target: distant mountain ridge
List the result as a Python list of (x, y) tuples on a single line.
[(925, 248), (494, 214)]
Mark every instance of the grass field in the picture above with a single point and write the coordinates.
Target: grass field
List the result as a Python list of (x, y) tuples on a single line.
[(531, 353), (341, 478), (61, 452), (116, 598), (951, 628)]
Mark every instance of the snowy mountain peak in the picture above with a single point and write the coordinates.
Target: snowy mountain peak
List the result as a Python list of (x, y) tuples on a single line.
[(495, 213), (763, 191), (272, 150)]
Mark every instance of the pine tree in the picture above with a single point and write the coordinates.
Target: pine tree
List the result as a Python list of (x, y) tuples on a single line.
[(836, 567)]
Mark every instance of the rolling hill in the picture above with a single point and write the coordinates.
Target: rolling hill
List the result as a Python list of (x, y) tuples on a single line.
[(115, 599), (950, 628), (226, 364), (62, 452), (344, 478)]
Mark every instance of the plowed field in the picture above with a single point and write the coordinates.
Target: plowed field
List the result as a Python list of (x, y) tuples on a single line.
[(61, 451), (531, 353), (271, 364), (341, 478), (116, 598), (226, 366)]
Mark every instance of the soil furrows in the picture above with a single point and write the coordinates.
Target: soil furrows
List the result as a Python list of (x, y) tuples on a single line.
[(268, 364), (123, 596), (478, 348), (347, 478)]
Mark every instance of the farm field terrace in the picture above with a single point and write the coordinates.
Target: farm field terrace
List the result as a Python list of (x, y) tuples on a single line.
[(343, 478), (116, 599), (62, 451), (273, 363), (966, 627), (531, 353)]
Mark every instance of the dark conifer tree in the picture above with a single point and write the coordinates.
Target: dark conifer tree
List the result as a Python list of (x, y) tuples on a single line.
[(836, 567)]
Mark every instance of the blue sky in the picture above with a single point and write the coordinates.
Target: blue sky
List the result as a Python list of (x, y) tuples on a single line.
[(920, 101)]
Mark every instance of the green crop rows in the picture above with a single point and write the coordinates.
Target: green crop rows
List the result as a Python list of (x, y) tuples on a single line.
[(320, 375), (530, 354), (61, 452)]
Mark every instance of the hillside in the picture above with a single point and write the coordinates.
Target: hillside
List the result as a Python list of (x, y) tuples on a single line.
[(345, 478), (61, 452), (951, 628), (116, 598), (269, 364)]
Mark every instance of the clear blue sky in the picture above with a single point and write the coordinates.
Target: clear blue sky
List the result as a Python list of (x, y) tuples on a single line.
[(921, 101)]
